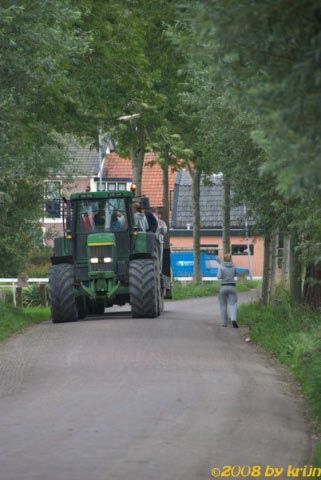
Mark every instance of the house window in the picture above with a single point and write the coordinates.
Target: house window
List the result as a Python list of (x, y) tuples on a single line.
[(52, 190), (210, 249), (112, 186), (102, 188), (52, 198), (242, 249)]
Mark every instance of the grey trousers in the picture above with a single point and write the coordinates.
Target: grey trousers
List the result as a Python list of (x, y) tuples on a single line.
[(228, 303)]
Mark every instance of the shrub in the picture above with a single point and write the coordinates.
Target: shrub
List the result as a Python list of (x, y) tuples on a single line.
[(31, 296)]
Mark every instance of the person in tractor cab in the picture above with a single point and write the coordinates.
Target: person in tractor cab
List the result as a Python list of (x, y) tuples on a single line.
[(87, 219), (118, 222), (99, 218)]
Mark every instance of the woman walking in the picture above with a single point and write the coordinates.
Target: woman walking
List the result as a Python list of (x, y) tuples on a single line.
[(227, 295)]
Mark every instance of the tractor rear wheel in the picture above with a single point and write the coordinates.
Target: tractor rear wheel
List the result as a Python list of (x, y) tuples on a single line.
[(62, 293), (143, 288)]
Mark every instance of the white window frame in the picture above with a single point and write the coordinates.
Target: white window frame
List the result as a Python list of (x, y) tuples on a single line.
[(104, 185), (124, 184)]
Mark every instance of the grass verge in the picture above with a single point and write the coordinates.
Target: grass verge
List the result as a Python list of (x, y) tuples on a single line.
[(182, 290), (13, 320), (293, 334)]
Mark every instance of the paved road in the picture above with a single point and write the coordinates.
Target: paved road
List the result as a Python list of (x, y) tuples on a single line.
[(143, 399)]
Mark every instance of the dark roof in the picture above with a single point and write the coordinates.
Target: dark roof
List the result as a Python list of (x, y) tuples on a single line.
[(211, 203), (84, 159), (81, 159)]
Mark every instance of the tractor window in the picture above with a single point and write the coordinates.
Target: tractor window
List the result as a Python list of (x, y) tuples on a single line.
[(107, 215)]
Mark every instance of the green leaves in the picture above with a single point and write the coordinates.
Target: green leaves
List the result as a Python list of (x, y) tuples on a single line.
[(38, 45)]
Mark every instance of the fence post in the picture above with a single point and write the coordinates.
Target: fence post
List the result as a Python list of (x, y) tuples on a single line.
[(42, 293), (14, 294), (19, 297), (22, 282)]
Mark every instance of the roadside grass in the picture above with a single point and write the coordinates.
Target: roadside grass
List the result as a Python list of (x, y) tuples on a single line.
[(13, 320), (293, 334), (182, 290)]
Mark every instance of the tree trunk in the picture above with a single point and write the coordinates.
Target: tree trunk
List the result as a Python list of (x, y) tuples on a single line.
[(295, 271), (274, 262), (266, 269), (166, 267), (312, 286), (137, 155), (165, 210), (137, 165), (196, 176), (286, 262), (227, 215)]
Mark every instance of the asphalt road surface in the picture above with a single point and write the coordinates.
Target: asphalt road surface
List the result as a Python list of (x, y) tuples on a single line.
[(144, 399)]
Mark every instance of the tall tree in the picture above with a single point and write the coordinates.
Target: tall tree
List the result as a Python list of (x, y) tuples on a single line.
[(38, 44)]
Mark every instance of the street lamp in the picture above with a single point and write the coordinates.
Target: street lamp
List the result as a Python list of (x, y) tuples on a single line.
[(128, 118)]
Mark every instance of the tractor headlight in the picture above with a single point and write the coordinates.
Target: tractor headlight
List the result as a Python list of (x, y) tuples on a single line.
[(94, 260), (108, 259)]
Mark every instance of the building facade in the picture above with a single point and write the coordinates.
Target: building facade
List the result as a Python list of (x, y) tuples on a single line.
[(247, 248)]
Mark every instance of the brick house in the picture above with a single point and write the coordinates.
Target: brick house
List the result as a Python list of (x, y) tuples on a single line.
[(211, 206), (83, 171), (118, 176), (75, 177)]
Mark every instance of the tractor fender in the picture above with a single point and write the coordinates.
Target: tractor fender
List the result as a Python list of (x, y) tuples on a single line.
[(57, 260), (136, 256)]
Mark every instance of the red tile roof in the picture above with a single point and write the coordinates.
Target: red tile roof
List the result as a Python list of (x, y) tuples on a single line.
[(118, 167)]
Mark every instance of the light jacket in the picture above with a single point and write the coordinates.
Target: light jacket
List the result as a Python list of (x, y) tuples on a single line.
[(226, 272), (141, 221)]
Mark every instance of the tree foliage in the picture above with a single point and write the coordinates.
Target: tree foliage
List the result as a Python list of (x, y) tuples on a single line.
[(38, 44), (265, 61)]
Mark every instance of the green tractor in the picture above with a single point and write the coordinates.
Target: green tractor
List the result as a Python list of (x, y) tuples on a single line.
[(104, 260)]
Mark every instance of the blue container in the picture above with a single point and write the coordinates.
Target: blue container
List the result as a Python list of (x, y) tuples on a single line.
[(182, 264)]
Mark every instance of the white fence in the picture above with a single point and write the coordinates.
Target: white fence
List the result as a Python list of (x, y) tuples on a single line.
[(12, 284)]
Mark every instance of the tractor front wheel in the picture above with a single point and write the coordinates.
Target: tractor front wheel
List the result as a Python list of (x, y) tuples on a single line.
[(62, 293), (143, 288)]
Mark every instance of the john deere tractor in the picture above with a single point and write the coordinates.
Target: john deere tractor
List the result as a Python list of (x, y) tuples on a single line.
[(104, 260)]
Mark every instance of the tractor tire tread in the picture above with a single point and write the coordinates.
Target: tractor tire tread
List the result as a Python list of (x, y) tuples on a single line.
[(62, 293), (143, 288)]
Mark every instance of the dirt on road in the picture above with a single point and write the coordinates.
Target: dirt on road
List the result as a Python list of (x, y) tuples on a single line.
[(144, 399)]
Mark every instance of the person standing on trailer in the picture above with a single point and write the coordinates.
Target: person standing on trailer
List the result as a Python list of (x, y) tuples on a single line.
[(140, 219)]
